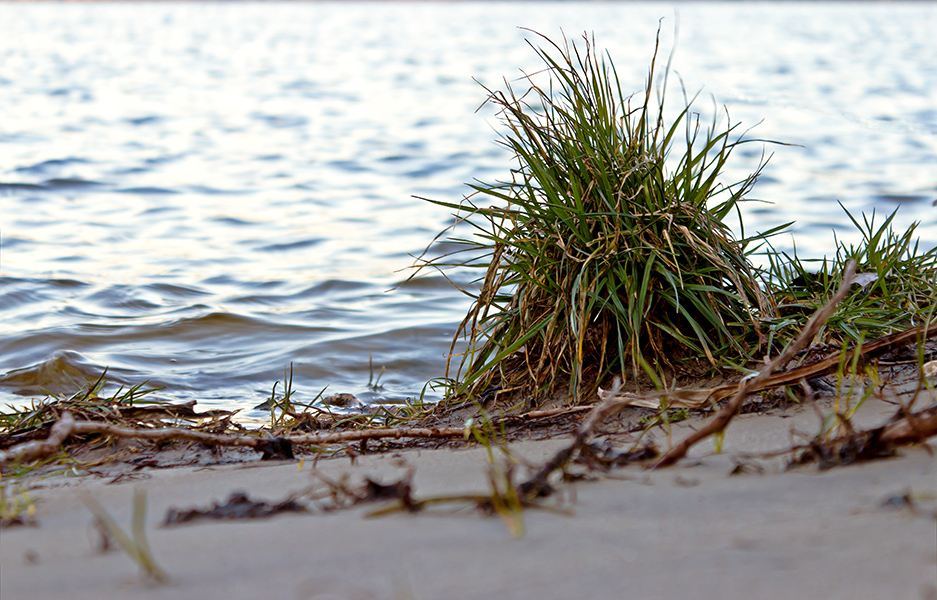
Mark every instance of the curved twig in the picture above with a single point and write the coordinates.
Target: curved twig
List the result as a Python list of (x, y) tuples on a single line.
[(722, 419)]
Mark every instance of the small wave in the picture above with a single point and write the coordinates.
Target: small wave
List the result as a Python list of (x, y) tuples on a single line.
[(290, 245), (349, 166), (146, 191), (64, 372), (177, 290), (19, 186), (49, 166), (148, 120), (69, 182), (901, 198), (281, 121), (233, 221)]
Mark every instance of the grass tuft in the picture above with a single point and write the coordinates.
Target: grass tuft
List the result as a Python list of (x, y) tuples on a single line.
[(606, 251), (896, 284)]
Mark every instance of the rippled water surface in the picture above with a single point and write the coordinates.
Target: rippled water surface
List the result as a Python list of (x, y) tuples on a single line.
[(199, 195)]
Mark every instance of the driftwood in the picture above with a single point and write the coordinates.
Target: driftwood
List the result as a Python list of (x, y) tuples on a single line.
[(66, 426)]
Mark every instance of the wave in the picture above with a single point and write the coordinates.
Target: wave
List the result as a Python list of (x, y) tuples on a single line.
[(63, 373)]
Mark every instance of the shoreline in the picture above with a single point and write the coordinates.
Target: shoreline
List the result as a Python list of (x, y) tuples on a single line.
[(689, 530)]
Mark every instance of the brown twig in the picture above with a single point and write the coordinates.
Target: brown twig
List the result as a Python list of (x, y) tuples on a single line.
[(67, 426), (702, 398), (912, 428), (722, 419), (615, 401), (40, 448), (538, 484)]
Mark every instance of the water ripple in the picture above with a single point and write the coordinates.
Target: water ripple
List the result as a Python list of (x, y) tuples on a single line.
[(206, 210)]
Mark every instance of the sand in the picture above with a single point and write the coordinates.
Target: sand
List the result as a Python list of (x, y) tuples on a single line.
[(692, 531)]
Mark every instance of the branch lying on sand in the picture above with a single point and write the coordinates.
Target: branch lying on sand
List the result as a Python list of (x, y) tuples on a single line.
[(614, 401), (905, 428), (911, 429), (699, 398), (67, 426), (40, 448), (729, 411)]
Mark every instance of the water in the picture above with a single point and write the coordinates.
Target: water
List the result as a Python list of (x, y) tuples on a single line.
[(199, 195)]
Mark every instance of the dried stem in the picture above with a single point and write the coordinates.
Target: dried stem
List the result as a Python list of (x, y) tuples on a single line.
[(67, 426), (729, 411)]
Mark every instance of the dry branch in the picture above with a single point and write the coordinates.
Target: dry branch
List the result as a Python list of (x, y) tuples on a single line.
[(912, 428), (614, 401), (66, 426), (700, 398), (40, 448), (722, 419)]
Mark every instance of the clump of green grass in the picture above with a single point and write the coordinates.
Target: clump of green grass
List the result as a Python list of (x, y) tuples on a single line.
[(87, 403), (896, 285), (606, 251)]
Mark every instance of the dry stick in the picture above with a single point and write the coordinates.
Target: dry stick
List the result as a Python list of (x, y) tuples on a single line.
[(66, 426), (41, 448), (538, 484), (701, 398), (615, 402), (729, 411), (914, 427), (826, 366)]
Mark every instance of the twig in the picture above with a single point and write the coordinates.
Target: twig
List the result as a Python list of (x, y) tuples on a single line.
[(614, 401), (40, 448), (66, 426), (701, 398), (538, 484), (722, 419), (912, 428)]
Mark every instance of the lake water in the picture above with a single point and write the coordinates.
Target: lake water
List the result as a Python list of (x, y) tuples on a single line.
[(199, 194)]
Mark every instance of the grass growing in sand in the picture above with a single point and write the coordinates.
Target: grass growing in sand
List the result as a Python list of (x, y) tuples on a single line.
[(896, 284), (134, 545), (607, 251)]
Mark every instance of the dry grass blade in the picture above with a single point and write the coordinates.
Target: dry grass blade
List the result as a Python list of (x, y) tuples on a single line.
[(136, 547)]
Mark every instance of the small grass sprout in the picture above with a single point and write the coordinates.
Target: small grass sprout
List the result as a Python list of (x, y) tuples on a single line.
[(17, 507), (135, 545), (374, 384)]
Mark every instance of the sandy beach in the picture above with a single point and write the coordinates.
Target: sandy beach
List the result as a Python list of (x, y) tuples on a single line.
[(689, 531)]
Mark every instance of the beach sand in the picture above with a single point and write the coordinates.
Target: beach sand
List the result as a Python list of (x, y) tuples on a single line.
[(691, 531)]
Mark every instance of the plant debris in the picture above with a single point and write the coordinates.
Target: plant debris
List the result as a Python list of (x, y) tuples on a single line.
[(860, 447), (238, 507)]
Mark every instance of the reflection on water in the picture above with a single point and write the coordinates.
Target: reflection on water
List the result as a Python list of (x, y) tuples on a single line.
[(201, 194)]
